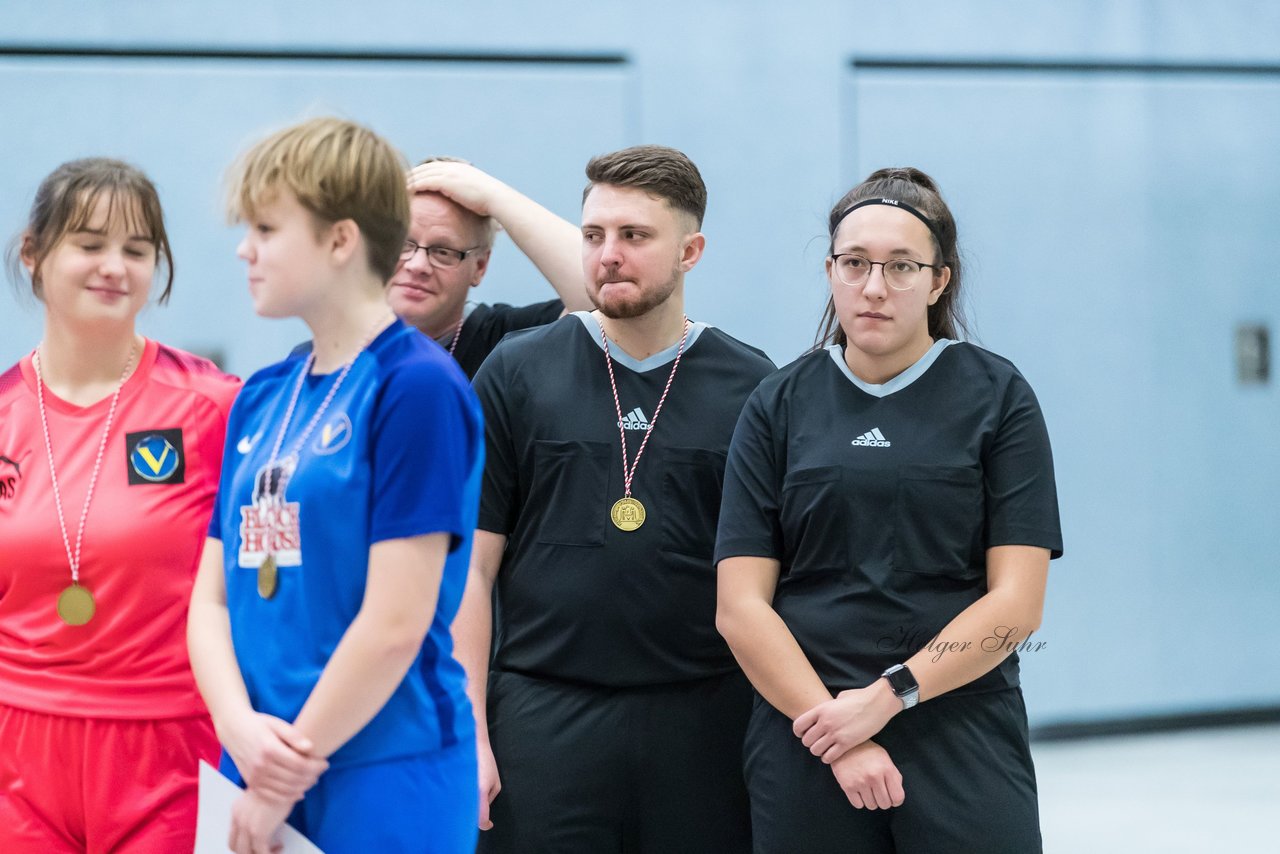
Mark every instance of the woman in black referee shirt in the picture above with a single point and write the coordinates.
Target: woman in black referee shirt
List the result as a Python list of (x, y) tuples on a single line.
[(888, 519)]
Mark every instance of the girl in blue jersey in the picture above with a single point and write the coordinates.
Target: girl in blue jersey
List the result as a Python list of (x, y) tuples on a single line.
[(319, 627), (888, 518)]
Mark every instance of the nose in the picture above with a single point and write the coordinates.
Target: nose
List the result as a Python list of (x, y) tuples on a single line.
[(875, 287), (112, 263), (611, 252), (418, 263), (243, 250)]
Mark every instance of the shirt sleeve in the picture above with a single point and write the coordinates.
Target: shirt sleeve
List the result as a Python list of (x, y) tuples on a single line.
[(749, 521), (500, 319), (222, 394), (510, 318), (488, 324), (425, 436), (1021, 492), (499, 503)]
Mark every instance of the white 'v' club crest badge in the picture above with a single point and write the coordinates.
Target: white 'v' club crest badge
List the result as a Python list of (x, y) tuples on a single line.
[(334, 435)]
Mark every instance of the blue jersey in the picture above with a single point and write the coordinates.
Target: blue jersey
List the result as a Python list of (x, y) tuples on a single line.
[(397, 453)]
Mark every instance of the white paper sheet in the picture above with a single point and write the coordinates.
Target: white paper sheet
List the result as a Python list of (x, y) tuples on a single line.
[(213, 826)]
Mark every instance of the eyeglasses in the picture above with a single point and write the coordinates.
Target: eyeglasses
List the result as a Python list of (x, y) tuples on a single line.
[(900, 273), (440, 256)]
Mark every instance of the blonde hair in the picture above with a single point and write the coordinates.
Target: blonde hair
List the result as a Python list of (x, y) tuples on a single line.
[(486, 227), (338, 170)]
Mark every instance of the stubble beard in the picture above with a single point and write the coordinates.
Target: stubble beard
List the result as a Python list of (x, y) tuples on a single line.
[(646, 302)]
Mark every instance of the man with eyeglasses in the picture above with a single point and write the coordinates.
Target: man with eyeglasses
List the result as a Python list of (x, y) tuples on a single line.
[(455, 213)]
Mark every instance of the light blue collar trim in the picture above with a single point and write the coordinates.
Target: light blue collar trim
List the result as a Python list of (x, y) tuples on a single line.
[(620, 356), (899, 382)]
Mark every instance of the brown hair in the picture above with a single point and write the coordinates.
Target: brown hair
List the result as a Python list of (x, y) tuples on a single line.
[(65, 200), (905, 184), (338, 170), (660, 171)]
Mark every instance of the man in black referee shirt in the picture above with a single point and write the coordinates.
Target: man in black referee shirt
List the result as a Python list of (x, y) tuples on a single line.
[(614, 713), (455, 212)]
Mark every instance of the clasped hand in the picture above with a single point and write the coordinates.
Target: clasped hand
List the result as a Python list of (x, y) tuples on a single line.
[(276, 761), (255, 818), (869, 778), (839, 731), (833, 728)]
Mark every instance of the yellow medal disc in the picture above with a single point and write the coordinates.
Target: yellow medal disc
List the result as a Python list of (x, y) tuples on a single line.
[(75, 605), (268, 577), (627, 514)]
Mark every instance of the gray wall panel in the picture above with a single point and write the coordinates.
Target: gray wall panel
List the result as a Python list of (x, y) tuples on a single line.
[(1118, 230), (184, 122), (1118, 226)]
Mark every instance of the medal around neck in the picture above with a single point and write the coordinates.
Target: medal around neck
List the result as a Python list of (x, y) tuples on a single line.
[(627, 514), (270, 529), (75, 605), (268, 577)]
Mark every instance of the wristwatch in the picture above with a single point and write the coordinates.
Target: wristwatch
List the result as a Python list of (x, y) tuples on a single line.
[(904, 685)]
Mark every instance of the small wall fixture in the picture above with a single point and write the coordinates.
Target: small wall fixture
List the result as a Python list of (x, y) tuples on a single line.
[(1253, 354)]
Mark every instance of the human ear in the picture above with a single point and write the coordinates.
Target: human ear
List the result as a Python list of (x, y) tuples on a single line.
[(343, 239), (692, 252), (940, 283), (27, 257), (26, 253), (482, 266)]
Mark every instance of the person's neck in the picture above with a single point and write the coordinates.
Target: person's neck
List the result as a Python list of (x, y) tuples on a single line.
[(444, 325), (340, 328), (83, 366), (652, 332), (878, 370)]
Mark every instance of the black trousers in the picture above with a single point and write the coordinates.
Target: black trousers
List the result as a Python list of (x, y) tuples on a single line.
[(649, 770), (966, 770)]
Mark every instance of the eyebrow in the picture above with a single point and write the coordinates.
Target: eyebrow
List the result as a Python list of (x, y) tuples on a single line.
[(860, 250), (635, 226), (99, 232)]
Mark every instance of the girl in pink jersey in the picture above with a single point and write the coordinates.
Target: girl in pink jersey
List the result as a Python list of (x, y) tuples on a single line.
[(110, 446)]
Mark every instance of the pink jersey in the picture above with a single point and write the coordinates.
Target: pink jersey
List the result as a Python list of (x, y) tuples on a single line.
[(142, 540)]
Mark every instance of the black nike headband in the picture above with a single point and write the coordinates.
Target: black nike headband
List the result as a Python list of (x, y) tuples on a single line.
[(932, 226)]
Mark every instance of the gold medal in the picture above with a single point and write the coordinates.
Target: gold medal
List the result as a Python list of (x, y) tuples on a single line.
[(268, 577), (272, 480), (627, 514), (75, 605)]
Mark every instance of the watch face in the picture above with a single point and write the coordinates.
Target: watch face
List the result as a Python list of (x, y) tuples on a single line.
[(901, 680)]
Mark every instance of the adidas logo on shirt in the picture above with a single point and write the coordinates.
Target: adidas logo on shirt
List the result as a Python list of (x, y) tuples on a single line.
[(873, 439), (634, 420)]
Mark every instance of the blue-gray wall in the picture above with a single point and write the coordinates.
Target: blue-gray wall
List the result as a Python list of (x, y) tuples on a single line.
[(1113, 166)]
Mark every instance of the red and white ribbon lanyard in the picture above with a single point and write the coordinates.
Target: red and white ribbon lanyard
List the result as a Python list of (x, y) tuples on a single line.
[(76, 605), (627, 512)]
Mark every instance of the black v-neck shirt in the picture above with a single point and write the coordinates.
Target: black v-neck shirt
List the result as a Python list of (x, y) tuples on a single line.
[(579, 599), (881, 501)]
